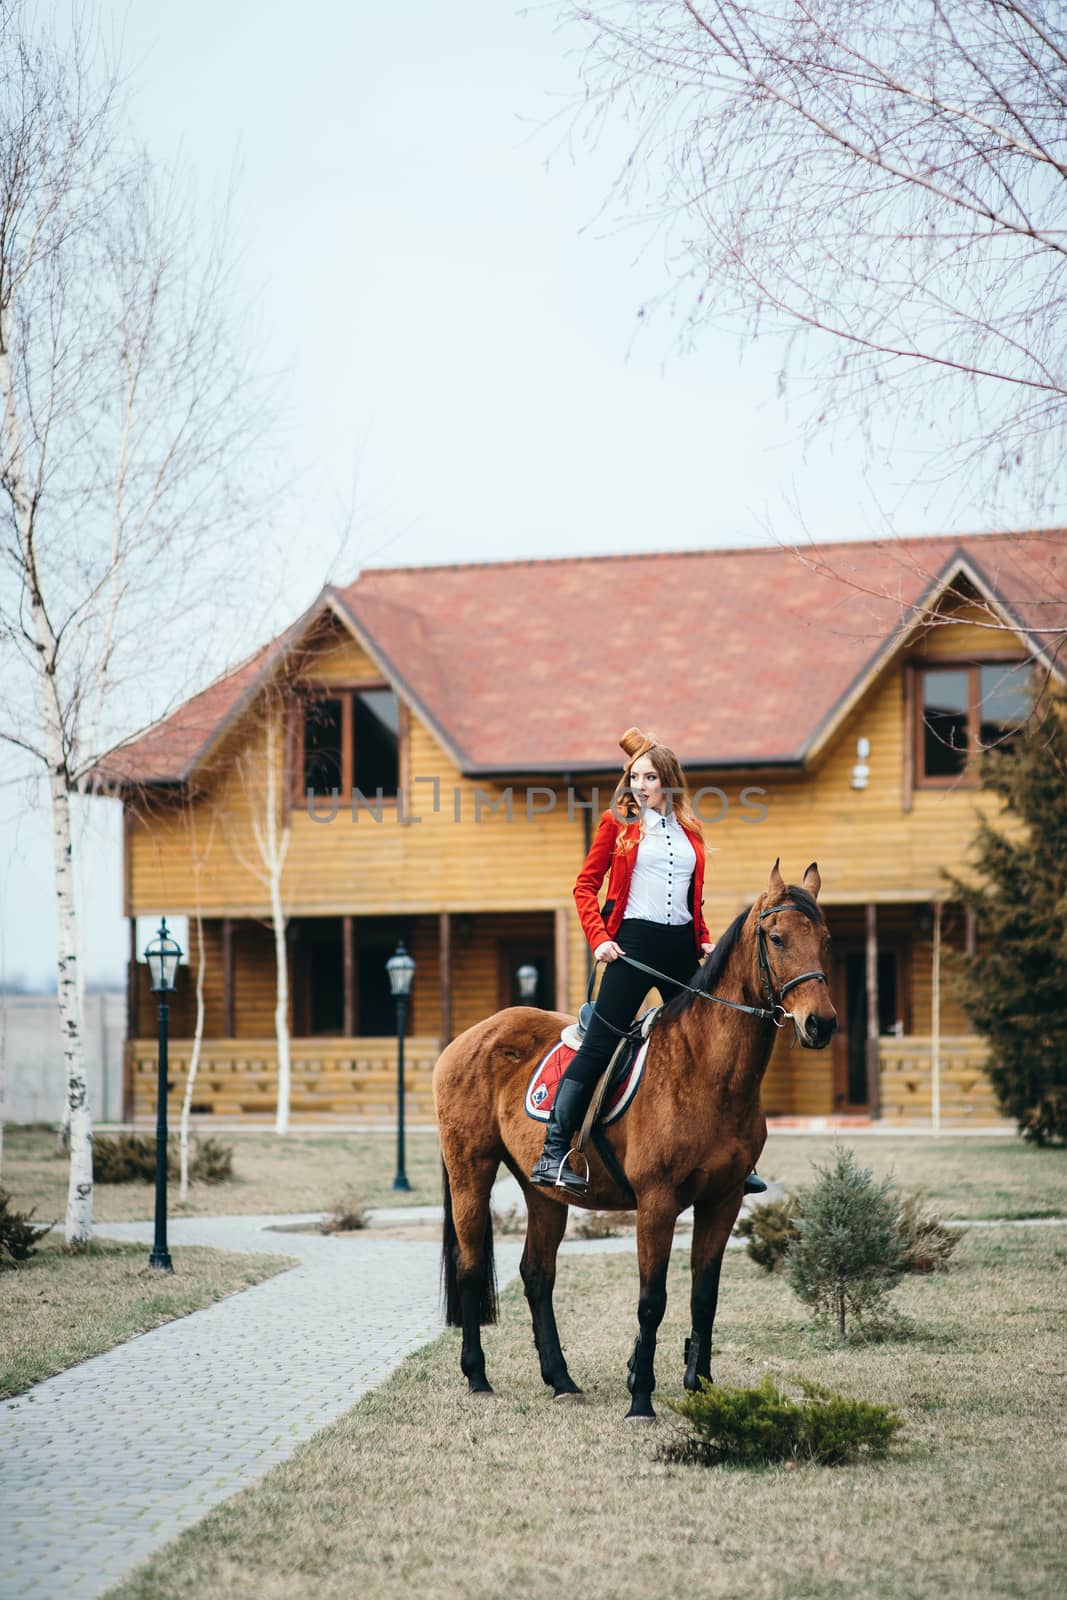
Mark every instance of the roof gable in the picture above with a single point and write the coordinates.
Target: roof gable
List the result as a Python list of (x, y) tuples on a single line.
[(736, 658)]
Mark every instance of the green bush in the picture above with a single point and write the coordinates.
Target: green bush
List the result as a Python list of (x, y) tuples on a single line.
[(750, 1427), (131, 1158), (770, 1229), (19, 1234), (848, 1253)]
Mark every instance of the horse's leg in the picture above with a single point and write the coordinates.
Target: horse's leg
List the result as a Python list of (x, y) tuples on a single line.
[(655, 1232), (546, 1223), (470, 1285), (712, 1226)]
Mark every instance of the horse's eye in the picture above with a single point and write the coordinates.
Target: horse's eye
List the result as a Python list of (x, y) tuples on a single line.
[(775, 940)]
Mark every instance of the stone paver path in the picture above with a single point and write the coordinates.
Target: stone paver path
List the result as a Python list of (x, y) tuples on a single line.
[(102, 1464)]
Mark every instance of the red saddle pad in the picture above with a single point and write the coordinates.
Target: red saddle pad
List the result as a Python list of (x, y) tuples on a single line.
[(541, 1089)]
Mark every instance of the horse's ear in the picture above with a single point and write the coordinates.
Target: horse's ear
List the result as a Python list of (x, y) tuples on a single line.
[(775, 882), (812, 881)]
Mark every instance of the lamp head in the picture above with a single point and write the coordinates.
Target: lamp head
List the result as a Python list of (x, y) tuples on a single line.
[(401, 970), (527, 976), (163, 954)]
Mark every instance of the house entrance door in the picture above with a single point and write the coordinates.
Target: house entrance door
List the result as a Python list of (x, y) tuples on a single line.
[(850, 999)]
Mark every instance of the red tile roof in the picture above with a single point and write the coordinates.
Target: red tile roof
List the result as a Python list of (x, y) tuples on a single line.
[(732, 657)]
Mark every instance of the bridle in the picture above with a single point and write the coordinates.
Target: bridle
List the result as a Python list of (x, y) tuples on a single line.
[(774, 992), (767, 976)]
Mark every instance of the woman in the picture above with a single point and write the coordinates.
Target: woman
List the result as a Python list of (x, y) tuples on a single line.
[(653, 912)]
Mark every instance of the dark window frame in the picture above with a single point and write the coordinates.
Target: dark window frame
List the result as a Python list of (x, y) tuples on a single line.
[(346, 693), (966, 778)]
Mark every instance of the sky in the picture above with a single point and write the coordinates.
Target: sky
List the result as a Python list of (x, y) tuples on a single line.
[(452, 318)]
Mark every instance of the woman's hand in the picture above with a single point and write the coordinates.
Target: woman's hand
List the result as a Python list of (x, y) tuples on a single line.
[(707, 948), (608, 951)]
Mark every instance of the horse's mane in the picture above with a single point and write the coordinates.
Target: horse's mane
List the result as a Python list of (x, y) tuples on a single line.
[(707, 977)]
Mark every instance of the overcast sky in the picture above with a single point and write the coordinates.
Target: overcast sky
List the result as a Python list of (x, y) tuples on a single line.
[(455, 322)]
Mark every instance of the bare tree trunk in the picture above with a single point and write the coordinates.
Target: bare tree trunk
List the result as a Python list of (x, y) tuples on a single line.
[(281, 1010), (79, 1223), (273, 844), (194, 1062)]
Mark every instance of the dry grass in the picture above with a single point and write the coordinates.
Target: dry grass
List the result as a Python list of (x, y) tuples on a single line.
[(301, 1172), (422, 1491), (971, 1177), (57, 1310)]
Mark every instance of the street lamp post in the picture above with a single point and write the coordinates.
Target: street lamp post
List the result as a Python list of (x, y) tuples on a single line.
[(162, 955), (401, 970), (527, 976)]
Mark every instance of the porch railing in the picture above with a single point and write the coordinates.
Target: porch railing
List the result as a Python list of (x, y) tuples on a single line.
[(907, 1079), (354, 1079)]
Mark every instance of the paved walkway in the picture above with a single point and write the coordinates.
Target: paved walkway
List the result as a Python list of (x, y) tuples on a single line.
[(102, 1464)]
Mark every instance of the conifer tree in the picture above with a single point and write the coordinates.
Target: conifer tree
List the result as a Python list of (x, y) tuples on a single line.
[(1015, 985)]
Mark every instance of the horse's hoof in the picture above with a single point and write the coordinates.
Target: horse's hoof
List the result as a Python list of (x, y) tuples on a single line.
[(640, 1416), (573, 1397), (482, 1392)]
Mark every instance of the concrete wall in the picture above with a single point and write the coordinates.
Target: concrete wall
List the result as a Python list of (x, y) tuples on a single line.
[(32, 1056)]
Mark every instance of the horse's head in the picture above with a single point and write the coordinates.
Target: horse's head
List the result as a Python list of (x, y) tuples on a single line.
[(793, 943)]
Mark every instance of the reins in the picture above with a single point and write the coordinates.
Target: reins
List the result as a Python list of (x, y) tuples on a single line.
[(777, 1013)]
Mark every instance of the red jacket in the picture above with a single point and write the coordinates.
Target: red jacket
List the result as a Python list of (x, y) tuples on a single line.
[(616, 845)]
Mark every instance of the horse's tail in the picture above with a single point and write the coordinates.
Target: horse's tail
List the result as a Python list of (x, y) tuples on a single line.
[(487, 1301)]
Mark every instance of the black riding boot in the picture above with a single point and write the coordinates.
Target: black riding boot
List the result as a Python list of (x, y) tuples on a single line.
[(564, 1119)]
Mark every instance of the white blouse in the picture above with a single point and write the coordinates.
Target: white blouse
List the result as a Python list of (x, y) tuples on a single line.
[(663, 871)]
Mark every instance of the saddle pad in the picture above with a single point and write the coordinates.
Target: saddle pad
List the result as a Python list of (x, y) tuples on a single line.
[(541, 1089)]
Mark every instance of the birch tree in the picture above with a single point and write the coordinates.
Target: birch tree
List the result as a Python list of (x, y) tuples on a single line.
[(122, 408), (883, 184), (263, 774), (199, 853)]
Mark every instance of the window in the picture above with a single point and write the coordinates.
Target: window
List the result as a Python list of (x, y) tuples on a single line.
[(964, 709), (350, 738)]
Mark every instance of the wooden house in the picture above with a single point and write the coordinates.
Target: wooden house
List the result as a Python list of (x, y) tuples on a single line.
[(431, 748)]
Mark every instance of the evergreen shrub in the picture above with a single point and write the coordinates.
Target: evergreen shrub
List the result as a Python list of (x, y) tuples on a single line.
[(848, 1252), (1015, 985), (770, 1229), (19, 1234), (752, 1427)]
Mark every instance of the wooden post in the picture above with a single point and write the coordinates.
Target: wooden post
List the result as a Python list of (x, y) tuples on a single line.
[(935, 1026), (228, 1028), (444, 952), (874, 1083), (562, 984), (348, 941)]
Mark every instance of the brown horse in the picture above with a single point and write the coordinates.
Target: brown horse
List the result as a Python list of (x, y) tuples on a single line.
[(693, 1131)]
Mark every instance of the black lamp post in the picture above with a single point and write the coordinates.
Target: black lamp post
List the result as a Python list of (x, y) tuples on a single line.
[(527, 978), (162, 955), (401, 970)]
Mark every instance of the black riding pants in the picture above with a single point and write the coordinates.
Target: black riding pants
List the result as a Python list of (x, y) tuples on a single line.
[(622, 988)]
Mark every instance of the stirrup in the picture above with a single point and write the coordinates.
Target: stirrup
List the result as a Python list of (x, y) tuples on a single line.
[(574, 1181), (754, 1184)]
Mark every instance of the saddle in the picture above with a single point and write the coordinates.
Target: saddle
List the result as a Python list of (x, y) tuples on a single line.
[(615, 1089)]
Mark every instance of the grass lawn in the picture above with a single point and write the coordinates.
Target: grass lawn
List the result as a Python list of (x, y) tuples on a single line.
[(970, 1177), (420, 1490), (300, 1172), (56, 1310)]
